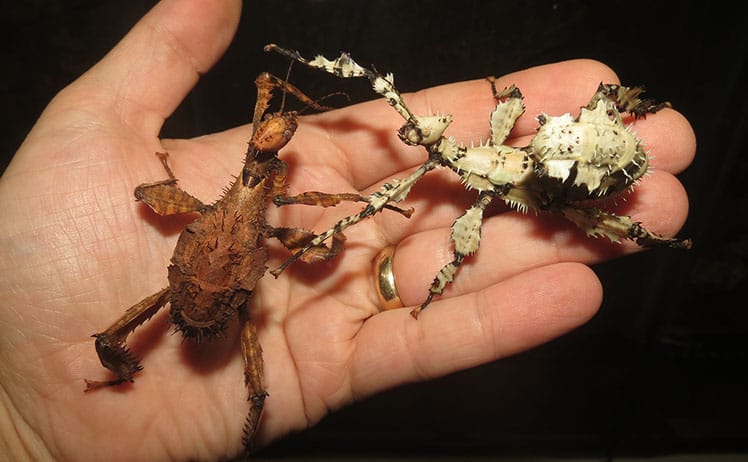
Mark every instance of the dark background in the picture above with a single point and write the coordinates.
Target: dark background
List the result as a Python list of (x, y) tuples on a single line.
[(659, 370)]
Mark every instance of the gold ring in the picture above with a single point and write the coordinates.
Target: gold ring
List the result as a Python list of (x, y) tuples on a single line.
[(384, 280)]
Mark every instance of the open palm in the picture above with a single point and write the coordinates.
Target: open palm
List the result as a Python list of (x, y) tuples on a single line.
[(77, 250)]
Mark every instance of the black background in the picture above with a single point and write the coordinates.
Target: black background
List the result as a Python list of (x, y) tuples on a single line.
[(659, 369)]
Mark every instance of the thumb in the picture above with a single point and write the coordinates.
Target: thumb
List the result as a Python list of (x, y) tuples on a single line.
[(143, 79)]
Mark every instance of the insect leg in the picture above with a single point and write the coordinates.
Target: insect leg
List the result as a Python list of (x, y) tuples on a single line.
[(330, 200), (296, 239), (596, 223), (321, 238), (394, 192), (345, 67), (110, 344), (466, 239), (418, 130), (266, 83), (254, 376), (165, 197), (627, 99), (509, 107)]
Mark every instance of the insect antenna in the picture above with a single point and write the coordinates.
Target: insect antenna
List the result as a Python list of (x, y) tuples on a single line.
[(315, 104), (319, 107), (285, 92)]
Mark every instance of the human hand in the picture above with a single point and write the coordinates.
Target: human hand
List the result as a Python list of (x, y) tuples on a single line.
[(77, 251)]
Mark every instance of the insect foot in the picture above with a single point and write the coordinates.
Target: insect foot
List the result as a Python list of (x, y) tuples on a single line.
[(569, 164)]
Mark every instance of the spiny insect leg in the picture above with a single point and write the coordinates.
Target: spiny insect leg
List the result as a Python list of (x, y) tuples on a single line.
[(596, 223), (254, 376), (394, 192), (110, 344), (627, 99), (266, 83), (321, 238), (321, 199), (345, 67), (466, 240), (296, 239), (271, 131), (269, 81), (509, 107), (165, 197)]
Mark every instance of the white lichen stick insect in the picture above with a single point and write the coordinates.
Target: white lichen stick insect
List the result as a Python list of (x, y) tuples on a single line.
[(570, 162)]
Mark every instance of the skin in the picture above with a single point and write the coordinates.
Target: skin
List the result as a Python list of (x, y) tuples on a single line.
[(76, 250)]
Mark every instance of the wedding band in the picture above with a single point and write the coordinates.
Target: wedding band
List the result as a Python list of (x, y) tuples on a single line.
[(384, 280)]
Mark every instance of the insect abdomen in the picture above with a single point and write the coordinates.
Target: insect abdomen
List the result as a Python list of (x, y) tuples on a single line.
[(216, 264)]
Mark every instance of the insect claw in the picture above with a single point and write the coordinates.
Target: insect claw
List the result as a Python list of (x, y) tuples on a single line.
[(92, 385), (682, 244)]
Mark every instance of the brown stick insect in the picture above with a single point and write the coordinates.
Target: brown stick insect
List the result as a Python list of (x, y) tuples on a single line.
[(219, 257)]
